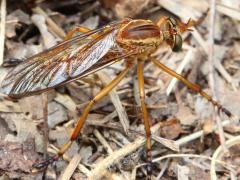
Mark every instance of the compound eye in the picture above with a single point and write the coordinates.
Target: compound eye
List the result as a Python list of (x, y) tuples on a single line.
[(177, 43)]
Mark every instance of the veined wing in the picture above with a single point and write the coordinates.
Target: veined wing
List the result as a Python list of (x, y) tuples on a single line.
[(69, 60)]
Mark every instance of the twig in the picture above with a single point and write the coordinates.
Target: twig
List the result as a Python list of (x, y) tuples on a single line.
[(116, 102), (54, 150), (198, 134), (180, 9), (212, 70), (103, 141), (101, 168), (229, 11), (134, 171), (219, 152), (55, 28), (217, 64), (49, 41), (2, 29), (200, 39), (211, 48), (225, 74), (102, 121), (66, 175), (163, 169), (106, 146), (190, 156), (45, 122), (40, 21), (167, 143), (179, 70)]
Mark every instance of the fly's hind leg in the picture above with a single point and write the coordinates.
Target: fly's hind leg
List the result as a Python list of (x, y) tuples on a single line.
[(80, 29), (83, 118), (146, 120), (195, 87)]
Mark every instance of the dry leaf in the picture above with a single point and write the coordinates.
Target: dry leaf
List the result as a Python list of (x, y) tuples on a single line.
[(126, 8), (17, 159), (183, 172), (32, 105), (24, 129), (208, 126), (185, 116), (56, 114), (184, 9), (170, 129)]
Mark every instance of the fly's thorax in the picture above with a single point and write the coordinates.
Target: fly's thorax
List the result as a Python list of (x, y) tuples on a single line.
[(143, 34)]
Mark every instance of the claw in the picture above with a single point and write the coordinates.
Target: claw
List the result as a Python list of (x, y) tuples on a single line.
[(149, 166), (149, 170), (44, 164)]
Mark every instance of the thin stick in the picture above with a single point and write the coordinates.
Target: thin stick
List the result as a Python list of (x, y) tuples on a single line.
[(101, 168), (105, 144), (54, 150), (45, 122), (217, 64), (122, 114), (190, 156), (211, 48), (179, 70), (55, 28), (2, 29), (219, 153), (211, 69), (229, 11), (103, 141), (68, 172), (163, 169), (198, 134)]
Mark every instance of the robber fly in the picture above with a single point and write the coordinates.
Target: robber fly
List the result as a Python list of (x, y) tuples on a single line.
[(132, 41)]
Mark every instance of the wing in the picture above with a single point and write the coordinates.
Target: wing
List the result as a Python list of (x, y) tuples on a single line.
[(67, 61)]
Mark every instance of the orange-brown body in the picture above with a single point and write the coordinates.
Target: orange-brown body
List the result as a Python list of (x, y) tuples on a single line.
[(81, 55)]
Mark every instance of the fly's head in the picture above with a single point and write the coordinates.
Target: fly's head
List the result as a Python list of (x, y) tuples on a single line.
[(172, 30)]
